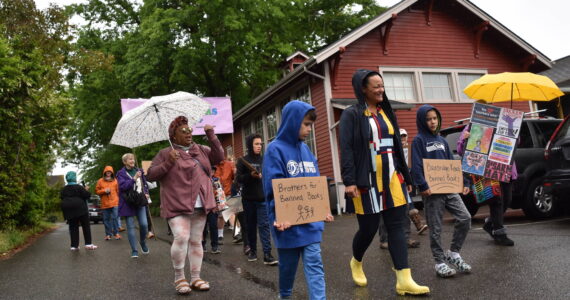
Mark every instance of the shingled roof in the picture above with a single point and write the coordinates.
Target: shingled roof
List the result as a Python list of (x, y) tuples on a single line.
[(560, 72)]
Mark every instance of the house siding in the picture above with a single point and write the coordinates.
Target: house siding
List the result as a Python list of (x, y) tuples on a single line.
[(321, 129)]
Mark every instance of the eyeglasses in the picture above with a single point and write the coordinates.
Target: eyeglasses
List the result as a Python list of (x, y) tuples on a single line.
[(186, 130)]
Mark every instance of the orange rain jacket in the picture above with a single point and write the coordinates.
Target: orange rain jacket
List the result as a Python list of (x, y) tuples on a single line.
[(112, 199)]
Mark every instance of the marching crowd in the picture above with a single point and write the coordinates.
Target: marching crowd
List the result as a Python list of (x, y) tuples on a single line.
[(378, 185)]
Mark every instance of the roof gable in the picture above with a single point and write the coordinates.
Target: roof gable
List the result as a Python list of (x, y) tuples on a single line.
[(405, 4)]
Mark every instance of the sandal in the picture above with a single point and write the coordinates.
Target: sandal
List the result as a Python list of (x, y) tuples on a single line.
[(182, 286), (201, 285)]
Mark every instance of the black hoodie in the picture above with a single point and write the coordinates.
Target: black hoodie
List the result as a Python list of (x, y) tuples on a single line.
[(252, 188), (355, 137)]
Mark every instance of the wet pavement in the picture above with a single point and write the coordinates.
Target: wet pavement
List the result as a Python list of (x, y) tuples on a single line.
[(535, 268)]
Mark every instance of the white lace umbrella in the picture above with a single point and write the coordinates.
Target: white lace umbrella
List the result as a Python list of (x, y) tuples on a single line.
[(148, 123)]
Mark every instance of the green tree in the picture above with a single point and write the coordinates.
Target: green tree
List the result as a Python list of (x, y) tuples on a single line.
[(207, 47), (33, 49)]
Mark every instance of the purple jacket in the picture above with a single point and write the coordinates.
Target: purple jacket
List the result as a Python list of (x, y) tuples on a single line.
[(181, 181), (125, 183), (461, 143)]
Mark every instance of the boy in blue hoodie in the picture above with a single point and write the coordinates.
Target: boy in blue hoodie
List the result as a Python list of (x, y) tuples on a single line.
[(286, 157), (429, 144)]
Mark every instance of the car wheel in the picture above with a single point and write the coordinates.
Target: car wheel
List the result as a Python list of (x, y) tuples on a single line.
[(470, 204), (538, 203)]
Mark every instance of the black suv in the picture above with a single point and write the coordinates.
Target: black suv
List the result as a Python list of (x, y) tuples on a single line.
[(557, 154), (528, 190)]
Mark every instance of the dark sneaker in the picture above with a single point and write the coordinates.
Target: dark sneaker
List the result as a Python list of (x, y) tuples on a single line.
[(145, 249), (488, 227), (246, 250), (269, 260), (204, 247), (251, 256), (237, 239), (458, 263), (216, 250), (503, 240), (444, 271), (220, 241)]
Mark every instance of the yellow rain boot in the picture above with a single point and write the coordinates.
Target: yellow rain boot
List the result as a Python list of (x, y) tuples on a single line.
[(406, 285), (357, 272)]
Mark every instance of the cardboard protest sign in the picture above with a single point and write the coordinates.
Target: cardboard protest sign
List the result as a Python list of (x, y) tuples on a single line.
[(480, 138), (502, 149), (510, 122), (485, 114), (301, 200), (474, 163), (443, 176), (498, 171), (145, 164)]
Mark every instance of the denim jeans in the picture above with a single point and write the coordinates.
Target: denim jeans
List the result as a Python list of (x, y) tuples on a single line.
[(434, 207), (111, 220), (212, 226), (312, 265), (143, 228), (256, 216)]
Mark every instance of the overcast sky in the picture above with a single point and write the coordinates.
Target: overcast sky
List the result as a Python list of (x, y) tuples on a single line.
[(543, 24)]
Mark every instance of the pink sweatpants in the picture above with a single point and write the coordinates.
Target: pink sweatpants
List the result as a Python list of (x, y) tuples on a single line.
[(187, 231)]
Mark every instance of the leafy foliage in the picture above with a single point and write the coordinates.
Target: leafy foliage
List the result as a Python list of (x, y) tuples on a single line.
[(33, 47), (140, 49)]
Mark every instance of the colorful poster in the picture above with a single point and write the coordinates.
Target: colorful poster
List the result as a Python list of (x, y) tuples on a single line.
[(485, 114), (502, 149), (474, 163), (498, 171), (480, 138), (510, 123)]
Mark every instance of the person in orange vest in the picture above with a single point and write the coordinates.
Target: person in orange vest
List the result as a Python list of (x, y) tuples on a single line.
[(225, 171), (108, 189)]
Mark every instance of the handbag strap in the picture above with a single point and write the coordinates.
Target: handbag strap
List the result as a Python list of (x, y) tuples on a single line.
[(201, 165)]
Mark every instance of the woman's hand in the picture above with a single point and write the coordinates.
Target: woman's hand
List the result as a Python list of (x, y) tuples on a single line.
[(173, 155), (329, 218), (409, 188), (352, 191), (137, 175), (282, 226), (426, 193), (466, 190), (208, 127), (255, 174), (466, 135)]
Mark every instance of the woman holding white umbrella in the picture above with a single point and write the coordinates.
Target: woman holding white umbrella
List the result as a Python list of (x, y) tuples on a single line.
[(184, 172)]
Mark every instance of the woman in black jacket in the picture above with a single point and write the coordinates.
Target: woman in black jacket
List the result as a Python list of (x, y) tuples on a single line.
[(376, 177), (74, 206)]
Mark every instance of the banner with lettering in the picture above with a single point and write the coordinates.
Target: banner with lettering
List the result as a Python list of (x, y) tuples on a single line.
[(219, 115), (301, 200), (492, 141)]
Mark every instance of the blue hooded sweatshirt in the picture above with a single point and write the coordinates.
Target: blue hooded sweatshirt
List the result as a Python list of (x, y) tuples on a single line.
[(428, 145), (288, 157)]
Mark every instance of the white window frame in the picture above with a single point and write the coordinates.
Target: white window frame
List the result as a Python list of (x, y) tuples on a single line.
[(419, 84)]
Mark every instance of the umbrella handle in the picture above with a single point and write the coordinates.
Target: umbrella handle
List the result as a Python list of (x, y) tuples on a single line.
[(161, 125)]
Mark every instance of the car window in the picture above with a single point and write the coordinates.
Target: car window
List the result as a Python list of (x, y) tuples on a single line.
[(452, 141), (525, 139), (564, 130), (545, 131)]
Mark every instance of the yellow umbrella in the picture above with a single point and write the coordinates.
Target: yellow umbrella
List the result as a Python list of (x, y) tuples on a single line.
[(513, 87)]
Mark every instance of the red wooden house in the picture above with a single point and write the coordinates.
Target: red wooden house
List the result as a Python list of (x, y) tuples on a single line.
[(427, 52)]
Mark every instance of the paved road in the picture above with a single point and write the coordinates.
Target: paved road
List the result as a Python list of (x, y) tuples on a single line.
[(536, 268)]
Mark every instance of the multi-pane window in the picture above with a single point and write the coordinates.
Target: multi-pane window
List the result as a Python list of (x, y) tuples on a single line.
[(399, 85), (414, 85), (464, 81), (272, 125), (258, 127), (437, 86), (303, 95)]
